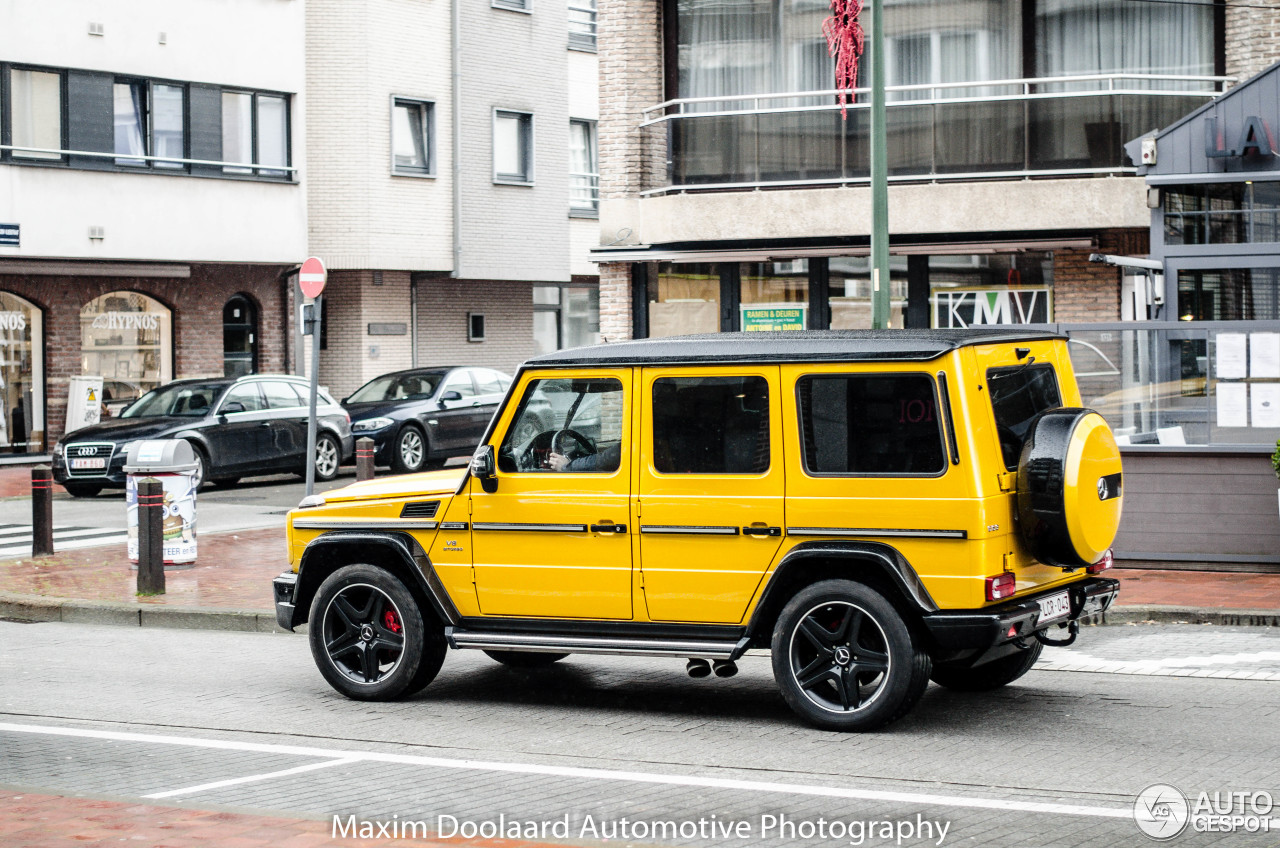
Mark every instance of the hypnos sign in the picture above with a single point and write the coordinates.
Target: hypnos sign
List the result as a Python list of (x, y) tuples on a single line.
[(958, 309)]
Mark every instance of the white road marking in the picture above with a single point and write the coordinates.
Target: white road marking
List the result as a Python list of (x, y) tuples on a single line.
[(218, 784), (1204, 666), (332, 756)]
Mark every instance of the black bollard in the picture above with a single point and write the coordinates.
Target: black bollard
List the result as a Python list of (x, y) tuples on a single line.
[(364, 458), (150, 536), (41, 511)]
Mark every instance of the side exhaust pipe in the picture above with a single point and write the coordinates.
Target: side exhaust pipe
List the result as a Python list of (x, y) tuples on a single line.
[(698, 668), (724, 668)]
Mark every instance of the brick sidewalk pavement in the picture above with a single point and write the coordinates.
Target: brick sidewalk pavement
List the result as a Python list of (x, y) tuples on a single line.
[(53, 821)]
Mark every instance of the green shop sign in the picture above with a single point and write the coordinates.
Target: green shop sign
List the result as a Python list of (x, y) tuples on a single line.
[(775, 317)]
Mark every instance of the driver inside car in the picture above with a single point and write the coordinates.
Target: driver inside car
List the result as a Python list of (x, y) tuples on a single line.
[(603, 460)]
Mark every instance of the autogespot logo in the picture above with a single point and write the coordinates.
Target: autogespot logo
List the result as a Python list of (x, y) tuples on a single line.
[(1161, 811)]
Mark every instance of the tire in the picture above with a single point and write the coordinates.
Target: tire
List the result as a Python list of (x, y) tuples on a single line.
[(409, 451), (355, 641), (1070, 496), (525, 659), (990, 675), (202, 466), (82, 490), (845, 659), (328, 457)]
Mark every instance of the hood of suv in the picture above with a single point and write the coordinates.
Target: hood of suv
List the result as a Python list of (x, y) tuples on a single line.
[(443, 482)]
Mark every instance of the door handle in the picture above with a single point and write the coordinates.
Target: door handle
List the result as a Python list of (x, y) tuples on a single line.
[(761, 531), (608, 528), (264, 424)]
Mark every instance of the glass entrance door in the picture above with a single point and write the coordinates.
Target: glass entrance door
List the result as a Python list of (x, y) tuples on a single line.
[(21, 376)]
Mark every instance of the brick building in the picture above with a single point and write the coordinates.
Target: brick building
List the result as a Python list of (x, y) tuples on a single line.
[(744, 200), (151, 197), (452, 187)]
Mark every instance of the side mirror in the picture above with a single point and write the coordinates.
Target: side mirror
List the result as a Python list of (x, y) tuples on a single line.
[(484, 468), (232, 406)]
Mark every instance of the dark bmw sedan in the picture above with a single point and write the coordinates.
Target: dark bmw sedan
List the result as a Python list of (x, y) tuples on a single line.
[(421, 417), (237, 428)]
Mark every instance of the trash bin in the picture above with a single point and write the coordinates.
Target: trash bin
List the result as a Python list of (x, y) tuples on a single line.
[(173, 463)]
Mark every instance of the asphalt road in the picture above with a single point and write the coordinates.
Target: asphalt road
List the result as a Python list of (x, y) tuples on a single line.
[(245, 722)]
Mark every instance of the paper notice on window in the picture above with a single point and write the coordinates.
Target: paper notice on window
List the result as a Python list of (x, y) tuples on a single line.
[(1233, 405), (1231, 363), (1265, 407), (1264, 355)]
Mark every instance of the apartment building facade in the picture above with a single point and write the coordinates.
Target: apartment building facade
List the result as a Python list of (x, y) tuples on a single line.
[(151, 197), (453, 186), (733, 197)]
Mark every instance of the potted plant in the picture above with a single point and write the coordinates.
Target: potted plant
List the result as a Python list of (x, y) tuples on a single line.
[(1275, 464)]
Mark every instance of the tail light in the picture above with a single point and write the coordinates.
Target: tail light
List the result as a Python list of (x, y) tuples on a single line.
[(1001, 586), (1108, 560)]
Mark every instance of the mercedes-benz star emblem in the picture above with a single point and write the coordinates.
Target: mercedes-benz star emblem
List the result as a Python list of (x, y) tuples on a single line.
[(842, 655)]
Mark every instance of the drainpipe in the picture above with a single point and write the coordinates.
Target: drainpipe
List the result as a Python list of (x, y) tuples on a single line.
[(457, 142)]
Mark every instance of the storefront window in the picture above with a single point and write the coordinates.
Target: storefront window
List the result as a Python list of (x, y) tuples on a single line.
[(684, 299), (1001, 288), (774, 295), (1222, 213), (127, 339), (1230, 294), (21, 376), (850, 286)]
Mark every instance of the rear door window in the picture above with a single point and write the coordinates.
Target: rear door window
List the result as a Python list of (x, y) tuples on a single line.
[(711, 425), (1018, 395), (854, 424)]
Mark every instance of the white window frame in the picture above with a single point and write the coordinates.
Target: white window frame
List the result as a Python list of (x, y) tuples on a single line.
[(526, 135), (592, 178), (428, 128), (524, 7)]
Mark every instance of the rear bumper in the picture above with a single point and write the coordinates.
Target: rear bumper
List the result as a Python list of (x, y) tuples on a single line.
[(283, 588), (986, 628)]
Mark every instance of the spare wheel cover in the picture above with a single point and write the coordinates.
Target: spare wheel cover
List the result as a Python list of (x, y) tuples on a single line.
[(1069, 488)]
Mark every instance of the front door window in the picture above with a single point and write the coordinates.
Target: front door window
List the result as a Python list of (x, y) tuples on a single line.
[(554, 539)]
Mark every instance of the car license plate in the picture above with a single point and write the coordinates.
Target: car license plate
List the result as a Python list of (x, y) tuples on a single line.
[(93, 462), (1054, 607)]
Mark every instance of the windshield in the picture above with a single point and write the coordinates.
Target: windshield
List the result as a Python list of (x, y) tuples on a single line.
[(192, 400), (1018, 396), (415, 386)]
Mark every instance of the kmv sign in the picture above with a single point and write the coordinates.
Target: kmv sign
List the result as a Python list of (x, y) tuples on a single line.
[(957, 308)]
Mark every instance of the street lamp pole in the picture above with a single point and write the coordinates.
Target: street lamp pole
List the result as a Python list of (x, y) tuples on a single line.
[(879, 176)]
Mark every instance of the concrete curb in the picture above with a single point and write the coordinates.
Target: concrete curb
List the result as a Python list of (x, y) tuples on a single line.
[(35, 608)]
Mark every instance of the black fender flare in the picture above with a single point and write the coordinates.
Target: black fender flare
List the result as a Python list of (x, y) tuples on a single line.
[(883, 561), (398, 552)]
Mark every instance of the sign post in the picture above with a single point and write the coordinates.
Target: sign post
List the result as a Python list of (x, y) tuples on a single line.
[(311, 279)]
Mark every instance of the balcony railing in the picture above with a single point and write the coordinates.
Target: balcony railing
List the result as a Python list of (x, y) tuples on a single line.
[(993, 129), (584, 191)]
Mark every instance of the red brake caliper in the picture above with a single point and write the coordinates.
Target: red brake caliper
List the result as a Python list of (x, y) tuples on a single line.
[(391, 620)]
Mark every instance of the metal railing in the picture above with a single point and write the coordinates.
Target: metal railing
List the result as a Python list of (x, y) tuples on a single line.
[(584, 191), (985, 129), (136, 157), (1176, 383)]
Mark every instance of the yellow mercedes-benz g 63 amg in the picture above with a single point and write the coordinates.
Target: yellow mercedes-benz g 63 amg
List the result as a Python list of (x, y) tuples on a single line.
[(876, 509)]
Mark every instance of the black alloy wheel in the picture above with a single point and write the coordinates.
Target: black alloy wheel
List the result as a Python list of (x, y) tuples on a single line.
[(845, 659), (409, 453), (369, 638), (990, 675), (525, 659)]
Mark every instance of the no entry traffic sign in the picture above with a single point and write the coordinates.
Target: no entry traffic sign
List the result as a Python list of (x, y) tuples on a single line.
[(311, 277)]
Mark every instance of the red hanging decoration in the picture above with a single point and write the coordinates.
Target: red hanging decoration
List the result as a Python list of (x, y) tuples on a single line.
[(844, 41)]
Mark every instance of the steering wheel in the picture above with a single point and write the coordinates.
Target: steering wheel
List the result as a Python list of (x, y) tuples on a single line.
[(580, 445)]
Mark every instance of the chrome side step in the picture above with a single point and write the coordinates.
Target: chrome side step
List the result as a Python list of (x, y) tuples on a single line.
[(565, 644)]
